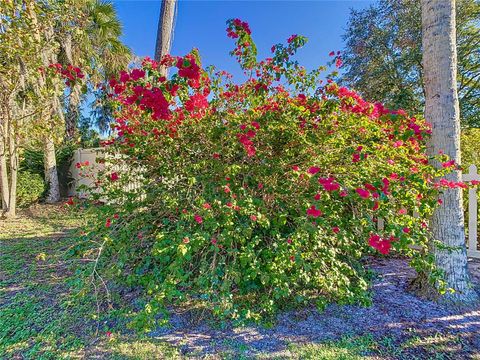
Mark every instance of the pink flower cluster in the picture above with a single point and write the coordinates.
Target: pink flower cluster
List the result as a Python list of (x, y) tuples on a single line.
[(236, 25), (381, 244), (246, 137), (70, 73), (444, 183), (329, 184), (189, 69)]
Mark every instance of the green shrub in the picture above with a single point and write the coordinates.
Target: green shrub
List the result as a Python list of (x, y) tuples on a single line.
[(32, 162), (30, 188), (252, 197)]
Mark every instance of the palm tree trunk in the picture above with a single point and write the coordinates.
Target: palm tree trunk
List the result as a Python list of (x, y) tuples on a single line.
[(72, 114), (50, 161), (165, 31), (442, 111)]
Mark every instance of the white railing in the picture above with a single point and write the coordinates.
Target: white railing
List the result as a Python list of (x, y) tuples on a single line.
[(472, 247)]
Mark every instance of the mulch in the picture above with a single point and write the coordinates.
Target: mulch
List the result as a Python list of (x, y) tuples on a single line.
[(395, 313)]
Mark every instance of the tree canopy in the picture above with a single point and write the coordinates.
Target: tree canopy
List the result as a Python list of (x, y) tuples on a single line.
[(52, 53), (383, 56)]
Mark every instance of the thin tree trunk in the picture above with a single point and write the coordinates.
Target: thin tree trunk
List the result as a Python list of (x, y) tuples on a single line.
[(9, 151), (165, 31), (6, 137), (442, 111), (4, 186), (13, 155)]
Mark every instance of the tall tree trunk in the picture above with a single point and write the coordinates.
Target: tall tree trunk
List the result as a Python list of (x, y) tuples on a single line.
[(165, 31), (49, 159), (442, 111), (71, 118), (51, 175)]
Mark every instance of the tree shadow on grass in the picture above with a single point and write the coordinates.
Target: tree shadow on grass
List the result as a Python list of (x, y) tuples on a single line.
[(39, 316)]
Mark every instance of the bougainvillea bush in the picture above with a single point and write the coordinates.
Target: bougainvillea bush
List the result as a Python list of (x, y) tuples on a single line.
[(249, 197)]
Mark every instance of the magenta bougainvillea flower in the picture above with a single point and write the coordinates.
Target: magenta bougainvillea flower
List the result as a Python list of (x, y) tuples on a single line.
[(314, 212), (198, 218), (382, 245), (363, 193)]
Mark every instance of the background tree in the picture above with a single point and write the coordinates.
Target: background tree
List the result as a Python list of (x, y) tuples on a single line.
[(383, 55), (442, 111), (97, 49), (42, 30), (39, 42), (23, 89)]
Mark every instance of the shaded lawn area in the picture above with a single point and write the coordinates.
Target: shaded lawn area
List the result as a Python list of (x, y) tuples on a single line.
[(37, 317), (41, 316)]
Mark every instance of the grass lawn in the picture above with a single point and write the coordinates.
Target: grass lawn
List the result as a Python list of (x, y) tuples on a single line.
[(42, 316)]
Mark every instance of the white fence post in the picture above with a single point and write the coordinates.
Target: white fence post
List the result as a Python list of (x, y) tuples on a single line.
[(472, 212)]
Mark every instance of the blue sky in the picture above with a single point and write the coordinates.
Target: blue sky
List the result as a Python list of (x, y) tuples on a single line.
[(201, 24)]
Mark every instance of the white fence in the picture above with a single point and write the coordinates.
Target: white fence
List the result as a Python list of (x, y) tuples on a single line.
[(78, 176), (472, 227), (86, 176)]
